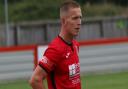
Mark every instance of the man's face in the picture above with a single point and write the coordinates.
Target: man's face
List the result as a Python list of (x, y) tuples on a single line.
[(73, 21)]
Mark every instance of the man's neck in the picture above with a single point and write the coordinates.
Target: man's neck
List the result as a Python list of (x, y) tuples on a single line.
[(66, 37)]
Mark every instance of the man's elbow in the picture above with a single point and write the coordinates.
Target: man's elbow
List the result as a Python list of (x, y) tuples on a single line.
[(31, 82), (34, 81)]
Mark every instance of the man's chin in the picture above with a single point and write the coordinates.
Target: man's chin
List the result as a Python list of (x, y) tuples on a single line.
[(75, 35)]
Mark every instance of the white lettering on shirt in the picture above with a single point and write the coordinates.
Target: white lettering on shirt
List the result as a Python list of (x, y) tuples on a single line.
[(74, 69)]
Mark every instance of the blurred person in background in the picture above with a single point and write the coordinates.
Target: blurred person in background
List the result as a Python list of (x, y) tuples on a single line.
[(60, 62)]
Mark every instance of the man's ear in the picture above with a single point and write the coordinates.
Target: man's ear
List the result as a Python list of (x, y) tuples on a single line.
[(63, 21)]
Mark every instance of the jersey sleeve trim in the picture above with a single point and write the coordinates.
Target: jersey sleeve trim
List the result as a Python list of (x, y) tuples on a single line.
[(43, 67)]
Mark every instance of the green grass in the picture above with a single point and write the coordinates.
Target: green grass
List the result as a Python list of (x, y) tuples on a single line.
[(20, 84), (102, 81), (106, 81)]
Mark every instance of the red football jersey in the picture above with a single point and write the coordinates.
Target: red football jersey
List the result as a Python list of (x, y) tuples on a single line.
[(61, 62)]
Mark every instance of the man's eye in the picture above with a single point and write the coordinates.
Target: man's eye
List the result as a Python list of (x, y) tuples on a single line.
[(77, 17)]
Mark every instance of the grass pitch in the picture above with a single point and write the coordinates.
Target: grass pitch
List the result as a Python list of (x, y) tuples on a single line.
[(102, 81)]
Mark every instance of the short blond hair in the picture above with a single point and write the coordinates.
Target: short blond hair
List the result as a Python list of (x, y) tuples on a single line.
[(65, 6)]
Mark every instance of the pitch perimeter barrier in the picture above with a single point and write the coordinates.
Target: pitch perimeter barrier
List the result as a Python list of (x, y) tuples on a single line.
[(106, 55), (17, 62)]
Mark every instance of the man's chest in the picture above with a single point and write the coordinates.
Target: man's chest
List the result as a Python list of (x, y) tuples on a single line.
[(69, 63)]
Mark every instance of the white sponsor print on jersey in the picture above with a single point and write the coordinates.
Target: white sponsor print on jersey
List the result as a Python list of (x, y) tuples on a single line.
[(74, 73), (74, 69), (75, 81)]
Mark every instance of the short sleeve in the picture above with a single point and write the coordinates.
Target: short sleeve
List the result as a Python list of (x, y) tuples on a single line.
[(50, 59)]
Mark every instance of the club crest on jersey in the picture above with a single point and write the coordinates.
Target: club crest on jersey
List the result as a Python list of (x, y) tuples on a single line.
[(44, 59)]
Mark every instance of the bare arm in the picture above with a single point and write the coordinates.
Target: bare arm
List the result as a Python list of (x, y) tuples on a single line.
[(36, 80)]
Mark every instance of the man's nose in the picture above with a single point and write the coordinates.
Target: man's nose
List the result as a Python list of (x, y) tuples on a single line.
[(79, 22)]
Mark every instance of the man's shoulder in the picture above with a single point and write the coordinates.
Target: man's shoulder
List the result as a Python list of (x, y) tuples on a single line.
[(56, 44)]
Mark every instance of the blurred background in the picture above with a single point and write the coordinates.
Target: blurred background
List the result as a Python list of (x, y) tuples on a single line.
[(27, 25)]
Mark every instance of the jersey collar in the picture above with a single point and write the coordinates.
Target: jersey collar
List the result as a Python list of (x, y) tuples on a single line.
[(70, 44)]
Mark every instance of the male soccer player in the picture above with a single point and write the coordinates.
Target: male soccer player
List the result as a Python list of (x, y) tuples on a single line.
[(60, 62)]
